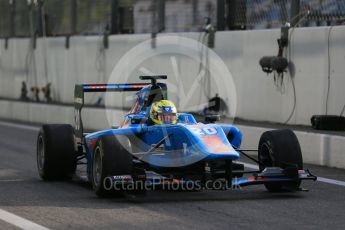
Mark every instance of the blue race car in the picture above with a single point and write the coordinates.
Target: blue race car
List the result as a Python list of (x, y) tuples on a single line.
[(155, 146)]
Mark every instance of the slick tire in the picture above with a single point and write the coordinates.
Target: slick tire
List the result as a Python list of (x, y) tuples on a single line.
[(56, 156), (280, 148), (110, 157)]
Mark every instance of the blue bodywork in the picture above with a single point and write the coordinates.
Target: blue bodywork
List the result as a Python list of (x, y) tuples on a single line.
[(188, 140), (172, 146)]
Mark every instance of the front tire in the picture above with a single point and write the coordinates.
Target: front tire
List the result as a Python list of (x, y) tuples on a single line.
[(111, 157), (280, 148)]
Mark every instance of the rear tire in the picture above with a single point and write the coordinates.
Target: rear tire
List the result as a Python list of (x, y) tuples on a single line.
[(56, 157), (111, 157), (280, 148)]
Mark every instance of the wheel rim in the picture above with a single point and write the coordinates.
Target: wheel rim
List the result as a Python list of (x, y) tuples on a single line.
[(97, 167), (40, 153)]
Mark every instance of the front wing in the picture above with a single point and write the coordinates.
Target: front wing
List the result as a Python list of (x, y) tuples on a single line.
[(269, 175)]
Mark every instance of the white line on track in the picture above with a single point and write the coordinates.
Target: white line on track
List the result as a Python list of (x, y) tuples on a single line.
[(321, 179), (19, 221), (10, 217), (19, 126), (331, 181)]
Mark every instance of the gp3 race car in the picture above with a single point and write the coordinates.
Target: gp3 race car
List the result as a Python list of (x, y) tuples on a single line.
[(137, 155)]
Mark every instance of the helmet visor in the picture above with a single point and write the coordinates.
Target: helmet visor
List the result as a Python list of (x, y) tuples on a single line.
[(167, 118)]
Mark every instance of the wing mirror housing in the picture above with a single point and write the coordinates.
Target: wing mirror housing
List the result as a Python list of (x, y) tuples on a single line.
[(139, 119)]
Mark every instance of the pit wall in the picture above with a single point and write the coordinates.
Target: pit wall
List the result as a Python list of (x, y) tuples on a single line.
[(256, 95)]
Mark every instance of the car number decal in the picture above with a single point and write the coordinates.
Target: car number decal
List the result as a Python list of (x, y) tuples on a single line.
[(206, 131)]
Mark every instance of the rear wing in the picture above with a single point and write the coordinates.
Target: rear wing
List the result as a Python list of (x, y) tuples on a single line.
[(79, 91), (111, 87)]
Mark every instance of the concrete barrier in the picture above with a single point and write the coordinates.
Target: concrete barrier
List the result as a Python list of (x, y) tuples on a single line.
[(257, 97), (319, 149)]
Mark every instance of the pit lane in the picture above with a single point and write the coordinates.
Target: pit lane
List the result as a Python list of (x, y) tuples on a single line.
[(61, 205)]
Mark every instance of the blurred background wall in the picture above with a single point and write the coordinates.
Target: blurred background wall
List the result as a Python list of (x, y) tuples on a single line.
[(62, 42)]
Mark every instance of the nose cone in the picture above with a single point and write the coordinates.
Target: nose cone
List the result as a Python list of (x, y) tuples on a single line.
[(219, 148), (212, 142)]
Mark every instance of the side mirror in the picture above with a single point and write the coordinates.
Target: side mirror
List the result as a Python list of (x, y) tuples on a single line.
[(212, 118), (138, 120)]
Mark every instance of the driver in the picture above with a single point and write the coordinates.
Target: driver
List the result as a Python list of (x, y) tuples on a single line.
[(163, 112)]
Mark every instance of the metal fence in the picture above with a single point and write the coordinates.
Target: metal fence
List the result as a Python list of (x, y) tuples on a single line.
[(274, 13), (53, 17), (68, 17)]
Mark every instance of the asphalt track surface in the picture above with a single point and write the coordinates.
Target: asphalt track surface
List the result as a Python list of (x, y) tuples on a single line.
[(73, 205)]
